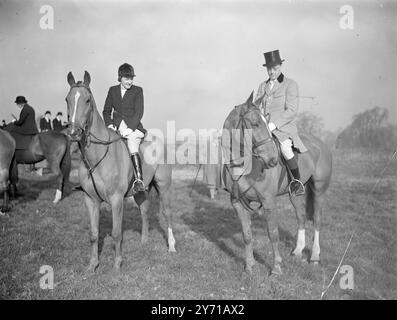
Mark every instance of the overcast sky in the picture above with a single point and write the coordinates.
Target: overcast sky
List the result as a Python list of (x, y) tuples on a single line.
[(198, 59)]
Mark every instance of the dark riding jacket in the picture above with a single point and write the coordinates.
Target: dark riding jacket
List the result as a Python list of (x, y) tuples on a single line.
[(128, 108), (57, 125), (26, 124), (45, 125)]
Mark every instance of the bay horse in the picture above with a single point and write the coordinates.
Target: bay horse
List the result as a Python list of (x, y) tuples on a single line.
[(106, 170), (7, 167), (257, 191), (51, 146)]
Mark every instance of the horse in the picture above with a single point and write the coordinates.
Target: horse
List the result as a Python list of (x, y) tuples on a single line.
[(7, 166), (257, 191), (106, 172), (51, 146)]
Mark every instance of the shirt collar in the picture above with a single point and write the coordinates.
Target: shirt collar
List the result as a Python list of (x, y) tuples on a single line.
[(280, 78)]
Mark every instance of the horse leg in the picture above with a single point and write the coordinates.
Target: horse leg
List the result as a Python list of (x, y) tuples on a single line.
[(245, 219), (162, 181), (93, 211), (317, 212), (299, 207), (142, 200), (13, 178), (272, 229), (117, 232), (165, 208), (54, 158)]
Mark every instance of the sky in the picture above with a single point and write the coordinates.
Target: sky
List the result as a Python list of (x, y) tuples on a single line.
[(196, 60)]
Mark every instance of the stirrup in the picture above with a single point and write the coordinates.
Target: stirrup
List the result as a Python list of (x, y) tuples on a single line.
[(294, 192), (141, 186)]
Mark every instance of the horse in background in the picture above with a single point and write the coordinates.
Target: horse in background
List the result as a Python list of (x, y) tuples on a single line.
[(7, 167), (51, 146), (257, 191), (106, 171)]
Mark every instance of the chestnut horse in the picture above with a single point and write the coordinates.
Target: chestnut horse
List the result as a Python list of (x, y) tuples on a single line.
[(106, 170), (257, 191), (7, 166)]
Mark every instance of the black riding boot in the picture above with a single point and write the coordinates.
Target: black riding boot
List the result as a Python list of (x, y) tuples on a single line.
[(138, 183), (296, 186)]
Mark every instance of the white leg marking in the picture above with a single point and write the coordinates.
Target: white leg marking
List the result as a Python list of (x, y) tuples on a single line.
[(300, 242), (316, 246), (171, 241), (58, 196)]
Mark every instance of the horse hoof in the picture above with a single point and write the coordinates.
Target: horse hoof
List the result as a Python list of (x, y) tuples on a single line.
[(91, 269), (276, 271), (144, 240), (117, 265), (315, 263), (249, 269), (4, 210), (171, 249)]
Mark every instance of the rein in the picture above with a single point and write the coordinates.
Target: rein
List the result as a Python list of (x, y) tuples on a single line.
[(240, 195), (85, 142)]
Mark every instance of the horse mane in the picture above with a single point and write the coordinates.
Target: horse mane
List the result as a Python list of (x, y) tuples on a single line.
[(228, 136)]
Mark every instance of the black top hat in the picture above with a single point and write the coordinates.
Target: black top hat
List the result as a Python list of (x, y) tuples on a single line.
[(20, 100), (272, 58)]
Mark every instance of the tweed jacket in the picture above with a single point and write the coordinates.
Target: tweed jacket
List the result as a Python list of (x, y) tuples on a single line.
[(281, 102)]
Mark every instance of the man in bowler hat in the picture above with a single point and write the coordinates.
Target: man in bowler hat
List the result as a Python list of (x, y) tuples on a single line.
[(278, 97), (26, 124), (126, 102)]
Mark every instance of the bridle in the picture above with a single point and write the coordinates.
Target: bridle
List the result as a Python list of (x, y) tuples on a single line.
[(85, 141), (255, 145)]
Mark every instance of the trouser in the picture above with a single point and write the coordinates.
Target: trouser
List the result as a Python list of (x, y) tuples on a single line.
[(134, 138), (286, 149)]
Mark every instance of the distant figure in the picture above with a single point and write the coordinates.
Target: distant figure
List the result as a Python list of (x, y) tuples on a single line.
[(26, 124), (45, 123), (57, 123), (3, 124)]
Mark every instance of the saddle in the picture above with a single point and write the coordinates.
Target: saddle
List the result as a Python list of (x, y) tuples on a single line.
[(257, 174), (22, 141)]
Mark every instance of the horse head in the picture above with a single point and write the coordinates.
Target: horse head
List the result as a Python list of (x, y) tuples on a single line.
[(80, 104), (247, 116)]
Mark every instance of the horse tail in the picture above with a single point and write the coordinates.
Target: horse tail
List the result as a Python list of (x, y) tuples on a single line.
[(66, 162)]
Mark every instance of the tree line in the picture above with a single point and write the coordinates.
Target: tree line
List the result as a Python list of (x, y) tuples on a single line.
[(369, 129)]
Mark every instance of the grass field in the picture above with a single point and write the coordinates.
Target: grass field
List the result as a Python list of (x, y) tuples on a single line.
[(209, 263)]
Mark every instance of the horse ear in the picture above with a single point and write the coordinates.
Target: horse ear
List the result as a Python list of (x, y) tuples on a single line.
[(250, 98), (71, 80), (87, 78)]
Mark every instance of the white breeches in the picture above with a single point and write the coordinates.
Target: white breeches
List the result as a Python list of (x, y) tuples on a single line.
[(134, 138), (286, 149)]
